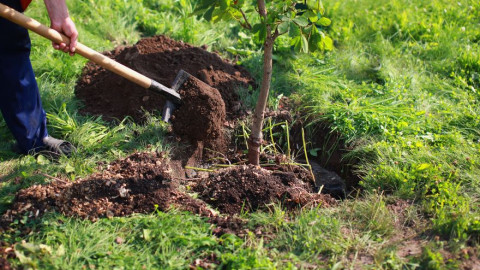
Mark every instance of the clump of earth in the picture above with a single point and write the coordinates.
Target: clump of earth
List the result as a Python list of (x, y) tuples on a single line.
[(249, 188), (209, 98)]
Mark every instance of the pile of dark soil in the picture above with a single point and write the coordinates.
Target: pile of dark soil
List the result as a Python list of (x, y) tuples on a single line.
[(143, 182), (160, 58), (136, 184), (249, 188), (208, 103)]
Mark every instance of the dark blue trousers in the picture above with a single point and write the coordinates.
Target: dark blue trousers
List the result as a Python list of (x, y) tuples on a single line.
[(19, 97)]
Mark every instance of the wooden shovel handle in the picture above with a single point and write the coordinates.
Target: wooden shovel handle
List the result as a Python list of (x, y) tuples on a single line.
[(98, 58)]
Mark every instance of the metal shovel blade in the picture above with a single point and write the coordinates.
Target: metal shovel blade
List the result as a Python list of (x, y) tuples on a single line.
[(170, 106)]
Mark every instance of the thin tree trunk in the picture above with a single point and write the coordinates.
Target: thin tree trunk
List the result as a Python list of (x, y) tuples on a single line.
[(255, 139)]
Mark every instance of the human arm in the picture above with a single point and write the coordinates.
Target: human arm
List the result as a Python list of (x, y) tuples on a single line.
[(60, 20)]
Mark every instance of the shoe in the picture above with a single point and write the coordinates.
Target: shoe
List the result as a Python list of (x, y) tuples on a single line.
[(58, 147)]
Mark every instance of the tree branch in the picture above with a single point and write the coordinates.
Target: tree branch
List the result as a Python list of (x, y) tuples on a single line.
[(247, 24)]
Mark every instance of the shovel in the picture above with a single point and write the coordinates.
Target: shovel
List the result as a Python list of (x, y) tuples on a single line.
[(173, 98)]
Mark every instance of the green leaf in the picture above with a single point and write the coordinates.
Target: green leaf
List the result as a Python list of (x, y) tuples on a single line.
[(256, 27), (296, 42), (283, 27), (260, 31), (235, 13), (69, 168), (224, 4), (314, 151), (42, 160), (304, 44), (205, 4), (328, 43), (315, 42), (147, 235), (294, 30), (301, 21), (219, 15), (316, 5), (284, 18), (324, 21), (310, 15)]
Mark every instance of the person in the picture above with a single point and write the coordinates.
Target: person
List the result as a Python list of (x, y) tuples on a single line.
[(20, 101)]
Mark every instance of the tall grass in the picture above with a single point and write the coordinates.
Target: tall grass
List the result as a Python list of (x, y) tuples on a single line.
[(404, 90)]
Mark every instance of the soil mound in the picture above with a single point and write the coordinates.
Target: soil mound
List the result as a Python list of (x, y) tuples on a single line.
[(208, 103), (201, 117), (144, 182), (138, 184), (160, 58), (248, 188)]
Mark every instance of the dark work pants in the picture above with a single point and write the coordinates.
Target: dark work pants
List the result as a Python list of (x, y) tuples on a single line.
[(19, 97)]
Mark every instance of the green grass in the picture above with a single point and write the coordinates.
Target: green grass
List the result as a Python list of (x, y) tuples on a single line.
[(120, 242), (401, 88)]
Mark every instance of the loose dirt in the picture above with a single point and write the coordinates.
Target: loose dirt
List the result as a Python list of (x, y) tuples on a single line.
[(144, 182), (160, 58), (6, 252), (201, 117), (249, 188), (139, 183)]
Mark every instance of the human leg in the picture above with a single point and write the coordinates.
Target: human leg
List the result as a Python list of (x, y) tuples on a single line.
[(20, 102)]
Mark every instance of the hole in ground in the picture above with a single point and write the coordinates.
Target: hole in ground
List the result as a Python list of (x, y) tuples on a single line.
[(326, 152), (334, 174)]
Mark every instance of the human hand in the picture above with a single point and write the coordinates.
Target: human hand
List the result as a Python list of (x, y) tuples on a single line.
[(61, 21), (66, 27)]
